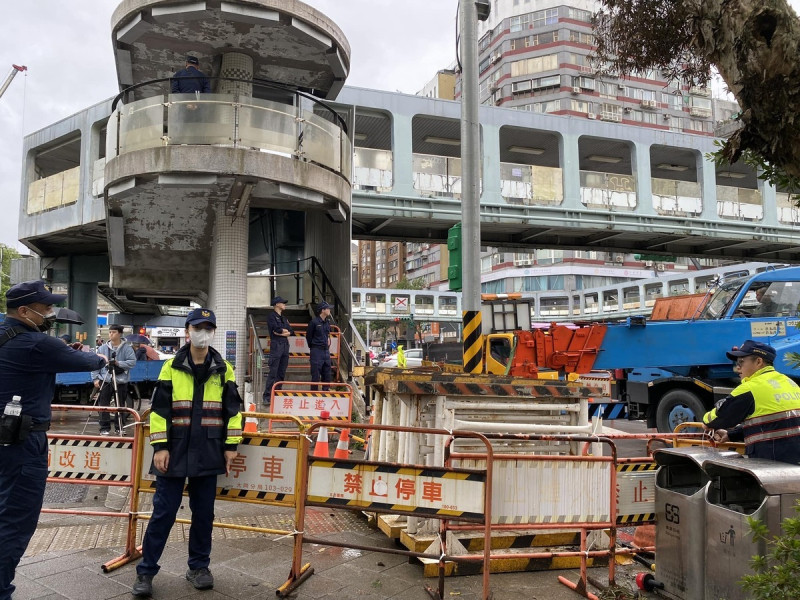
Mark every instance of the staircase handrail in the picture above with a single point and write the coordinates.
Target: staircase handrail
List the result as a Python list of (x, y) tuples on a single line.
[(256, 358)]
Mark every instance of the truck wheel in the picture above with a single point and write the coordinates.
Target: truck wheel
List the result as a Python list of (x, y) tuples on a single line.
[(676, 407)]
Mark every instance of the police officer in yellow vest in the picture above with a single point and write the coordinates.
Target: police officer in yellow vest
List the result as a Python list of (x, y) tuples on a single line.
[(766, 404), (195, 426)]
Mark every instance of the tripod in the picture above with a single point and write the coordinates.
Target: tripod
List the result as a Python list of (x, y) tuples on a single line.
[(113, 401)]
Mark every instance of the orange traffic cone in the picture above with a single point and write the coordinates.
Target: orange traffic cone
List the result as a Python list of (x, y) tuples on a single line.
[(321, 447), (251, 423), (342, 450)]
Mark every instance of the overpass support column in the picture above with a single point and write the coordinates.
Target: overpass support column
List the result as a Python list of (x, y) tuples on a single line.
[(403, 158), (769, 200), (707, 177), (644, 188), (228, 287), (84, 274), (570, 171)]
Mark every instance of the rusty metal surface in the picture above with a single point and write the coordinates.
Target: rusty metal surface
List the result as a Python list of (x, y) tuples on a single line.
[(431, 381)]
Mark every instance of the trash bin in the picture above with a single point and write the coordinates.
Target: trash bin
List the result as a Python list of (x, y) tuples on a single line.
[(680, 518), (761, 489)]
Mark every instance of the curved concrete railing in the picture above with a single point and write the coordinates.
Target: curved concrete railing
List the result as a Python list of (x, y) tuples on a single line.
[(229, 121)]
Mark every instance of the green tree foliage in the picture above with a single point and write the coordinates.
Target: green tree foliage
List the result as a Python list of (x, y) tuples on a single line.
[(753, 44), (8, 254), (418, 283), (776, 574)]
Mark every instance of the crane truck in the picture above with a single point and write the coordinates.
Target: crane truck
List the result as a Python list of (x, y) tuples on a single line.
[(14, 70), (670, 372)]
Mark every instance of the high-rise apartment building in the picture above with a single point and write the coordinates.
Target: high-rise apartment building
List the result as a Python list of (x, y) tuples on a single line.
[(381, 264), (535, 55)]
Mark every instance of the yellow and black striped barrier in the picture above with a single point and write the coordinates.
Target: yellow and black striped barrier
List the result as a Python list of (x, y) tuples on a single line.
[(473, 341)]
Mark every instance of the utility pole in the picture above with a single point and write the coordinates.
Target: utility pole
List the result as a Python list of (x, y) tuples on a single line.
[(469, 13)]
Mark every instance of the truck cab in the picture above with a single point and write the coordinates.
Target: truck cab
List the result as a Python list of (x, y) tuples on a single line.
[(674, 371)]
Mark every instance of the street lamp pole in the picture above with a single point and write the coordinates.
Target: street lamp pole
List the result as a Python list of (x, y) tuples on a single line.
[(470, 180)]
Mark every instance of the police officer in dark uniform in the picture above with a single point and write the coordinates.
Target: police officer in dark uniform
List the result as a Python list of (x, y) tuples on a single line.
[(318, 337), (190, 79), (29, 361), (279, 332), (763, 410)]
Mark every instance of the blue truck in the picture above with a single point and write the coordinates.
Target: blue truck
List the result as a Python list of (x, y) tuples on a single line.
[(670, 372), (77, 388)]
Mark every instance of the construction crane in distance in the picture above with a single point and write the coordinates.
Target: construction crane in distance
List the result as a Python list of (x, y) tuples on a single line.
[(14, 70)]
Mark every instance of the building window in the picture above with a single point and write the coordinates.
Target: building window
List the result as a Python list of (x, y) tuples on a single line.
[(580, 37), (538, 64), (545, 17), (544, 82), (581, 106), (547, 107), (519, 23)]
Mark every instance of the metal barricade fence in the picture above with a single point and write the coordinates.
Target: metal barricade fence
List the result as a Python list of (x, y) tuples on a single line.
[(444, 493), (99, 460), (571, 493), (265, 472)]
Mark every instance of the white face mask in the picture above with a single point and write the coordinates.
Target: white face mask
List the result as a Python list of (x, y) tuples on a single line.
[(201, 338)]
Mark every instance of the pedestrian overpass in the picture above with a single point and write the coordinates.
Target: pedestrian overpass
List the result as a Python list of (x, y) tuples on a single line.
[(635, 297), (559, 182)]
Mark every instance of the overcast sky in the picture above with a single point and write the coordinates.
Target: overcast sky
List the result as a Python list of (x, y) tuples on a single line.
[(395, 45), (66, 45)]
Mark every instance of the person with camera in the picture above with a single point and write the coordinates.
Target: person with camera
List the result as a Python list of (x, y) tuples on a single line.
[(29, 361), (112, 379)]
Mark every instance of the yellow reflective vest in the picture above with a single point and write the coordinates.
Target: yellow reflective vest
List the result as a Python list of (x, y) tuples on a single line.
[(196, 420), (767, 404)]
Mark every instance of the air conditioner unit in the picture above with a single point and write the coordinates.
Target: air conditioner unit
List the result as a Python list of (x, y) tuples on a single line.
[(591, 116), (660, 266), (620, 86), (648, 104), (619, 259), (648, 263), (576, 90), (494, 87), (666, 117), (496, 57), (626, 109), (525, 262)]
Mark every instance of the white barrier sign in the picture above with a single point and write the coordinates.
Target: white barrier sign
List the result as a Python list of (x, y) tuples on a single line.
[(85, 459), (310, 405), (264, 466), (401, 489)]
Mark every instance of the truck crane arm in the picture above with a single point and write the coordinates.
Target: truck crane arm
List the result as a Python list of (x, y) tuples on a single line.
[(14, 70)]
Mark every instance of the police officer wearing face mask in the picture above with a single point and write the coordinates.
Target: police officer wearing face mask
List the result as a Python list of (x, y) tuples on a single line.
[(195, 426), (29, 361)]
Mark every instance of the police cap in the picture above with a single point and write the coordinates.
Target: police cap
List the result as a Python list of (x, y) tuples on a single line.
[(752, 348), (201, 315), (278, 300), (322, 306), (192, 60), (31, 292)]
